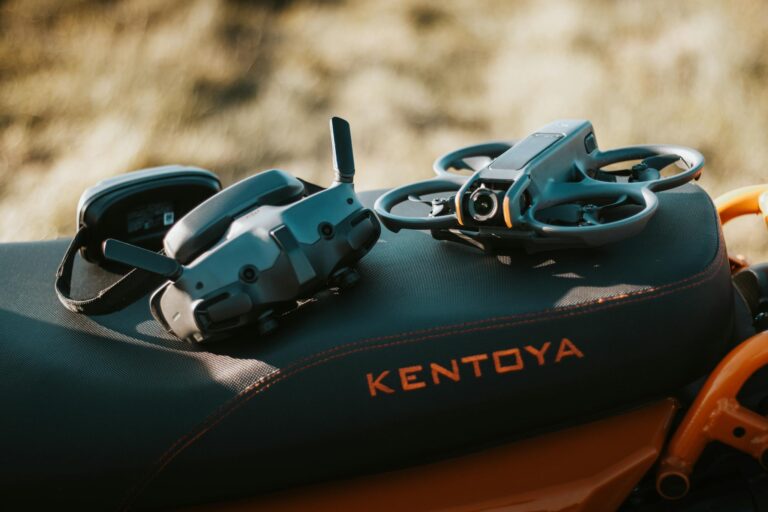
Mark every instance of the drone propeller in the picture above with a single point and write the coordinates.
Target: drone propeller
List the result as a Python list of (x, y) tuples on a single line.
[(575, 214), (471, 163), (475, 163), (417, 199), (647, 170), (439, 205), (568, 214), (593, 213), (650, 168)]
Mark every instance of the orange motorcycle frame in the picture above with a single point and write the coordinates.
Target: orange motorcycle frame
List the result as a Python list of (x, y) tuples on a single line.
[(590, 467), (716, 414)]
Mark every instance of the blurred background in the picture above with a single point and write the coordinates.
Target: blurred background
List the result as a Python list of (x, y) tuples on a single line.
[(90, 89)]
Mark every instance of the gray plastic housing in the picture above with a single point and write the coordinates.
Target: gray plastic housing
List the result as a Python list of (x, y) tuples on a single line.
[(204, 225), (267, 259)]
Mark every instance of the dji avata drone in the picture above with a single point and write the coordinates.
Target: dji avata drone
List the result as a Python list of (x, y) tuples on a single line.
[(548, 191)]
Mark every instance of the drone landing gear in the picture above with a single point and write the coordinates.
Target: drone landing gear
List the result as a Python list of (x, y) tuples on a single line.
[(344, 278), (266, 323)]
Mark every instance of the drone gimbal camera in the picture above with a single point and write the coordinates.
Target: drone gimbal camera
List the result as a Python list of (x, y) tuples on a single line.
[(250, 252), (548, 191)]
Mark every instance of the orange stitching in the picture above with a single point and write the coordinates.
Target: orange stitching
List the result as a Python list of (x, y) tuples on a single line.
[(543, 312), (255, 387), (232, 405)]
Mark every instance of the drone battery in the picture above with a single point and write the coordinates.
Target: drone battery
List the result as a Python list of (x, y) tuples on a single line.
[(524, 151), (140, 207)]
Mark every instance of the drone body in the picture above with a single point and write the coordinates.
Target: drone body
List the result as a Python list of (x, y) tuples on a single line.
[(547, 191)]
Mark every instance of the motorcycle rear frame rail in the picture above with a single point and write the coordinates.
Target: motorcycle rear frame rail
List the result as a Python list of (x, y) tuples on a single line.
[(716, 414)]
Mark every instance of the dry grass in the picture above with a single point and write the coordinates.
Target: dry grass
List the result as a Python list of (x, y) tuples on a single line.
[(91, 89)]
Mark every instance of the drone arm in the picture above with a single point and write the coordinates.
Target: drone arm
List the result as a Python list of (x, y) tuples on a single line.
[(385, 203), (597, 234), (694, 161)]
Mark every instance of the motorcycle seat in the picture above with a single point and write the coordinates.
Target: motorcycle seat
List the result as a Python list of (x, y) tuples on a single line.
[(439, 350)]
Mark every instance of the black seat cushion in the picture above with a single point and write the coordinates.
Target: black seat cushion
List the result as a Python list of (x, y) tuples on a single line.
[(438, 350)]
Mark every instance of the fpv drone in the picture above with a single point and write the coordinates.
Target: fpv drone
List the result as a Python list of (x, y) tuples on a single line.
[(551, 190)]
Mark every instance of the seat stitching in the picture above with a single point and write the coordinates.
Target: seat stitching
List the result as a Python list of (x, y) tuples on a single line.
[(266, 382)]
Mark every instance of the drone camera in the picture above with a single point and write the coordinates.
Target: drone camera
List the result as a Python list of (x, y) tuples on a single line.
[(483, 204)]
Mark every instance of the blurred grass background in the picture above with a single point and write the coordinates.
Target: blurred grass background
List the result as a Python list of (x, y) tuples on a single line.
[(90, 89)]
